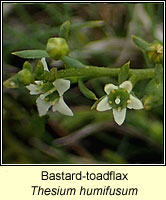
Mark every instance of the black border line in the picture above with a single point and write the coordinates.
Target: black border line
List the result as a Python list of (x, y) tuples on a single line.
[(73, 165)]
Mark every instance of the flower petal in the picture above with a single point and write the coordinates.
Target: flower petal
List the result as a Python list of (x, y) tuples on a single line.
[(42, 106), (119, 116), (109, 87), (43, 60), (61, 85), (34, 89), (62, 107), (39, 83), (127, 85), (103, 105), (135, 103)]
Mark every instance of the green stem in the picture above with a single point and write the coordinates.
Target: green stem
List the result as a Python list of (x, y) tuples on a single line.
[(93, 72)]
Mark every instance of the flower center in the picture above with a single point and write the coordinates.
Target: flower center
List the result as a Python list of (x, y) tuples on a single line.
[(117, 100), (42, 96), (52, 97), (37, 90)]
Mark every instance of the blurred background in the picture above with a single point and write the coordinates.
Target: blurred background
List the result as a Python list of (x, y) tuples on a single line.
[(100, 35)]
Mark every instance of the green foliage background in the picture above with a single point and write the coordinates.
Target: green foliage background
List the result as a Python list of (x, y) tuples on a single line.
[(89, 136)]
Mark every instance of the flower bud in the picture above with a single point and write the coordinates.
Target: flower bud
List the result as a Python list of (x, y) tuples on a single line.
[(27, 65), (12, 82), (57, 48), (38, 71), (25, 77), (155, 53)]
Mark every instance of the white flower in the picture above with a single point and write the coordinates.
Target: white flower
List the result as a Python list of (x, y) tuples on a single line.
[(35, 88), (118, 99), (58, 104), (59, 87)]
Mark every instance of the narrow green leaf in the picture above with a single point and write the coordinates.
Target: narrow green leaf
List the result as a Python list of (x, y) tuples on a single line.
[(96, 102), (124, 73), (72, 63), (64, 30), (154, 88), (153, 94), (85, 91), (133, 79), (89, 24), (140, 43), (31, 54)]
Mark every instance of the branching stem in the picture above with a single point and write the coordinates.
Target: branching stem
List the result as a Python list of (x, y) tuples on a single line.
[(94, 72)]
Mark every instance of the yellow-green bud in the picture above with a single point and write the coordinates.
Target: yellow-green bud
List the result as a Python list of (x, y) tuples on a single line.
[(57, 48), (27, 65), (12, 82), (38, 71), (25, 77), (155, 53)]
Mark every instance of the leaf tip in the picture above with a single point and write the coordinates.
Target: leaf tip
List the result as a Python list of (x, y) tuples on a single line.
[(95, 98), (133, 36)]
